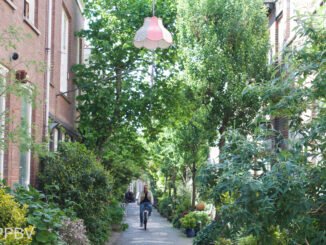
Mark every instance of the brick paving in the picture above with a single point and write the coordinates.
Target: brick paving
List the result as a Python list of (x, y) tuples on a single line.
[(159, 230)]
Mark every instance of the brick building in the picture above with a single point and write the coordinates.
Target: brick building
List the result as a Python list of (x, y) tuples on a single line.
[(49, 42), (282, 28)]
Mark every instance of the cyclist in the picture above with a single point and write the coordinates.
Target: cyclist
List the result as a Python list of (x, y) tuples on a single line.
[(146, 201)]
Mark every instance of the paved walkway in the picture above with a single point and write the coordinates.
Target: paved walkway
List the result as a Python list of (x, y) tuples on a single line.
[(159, 230)]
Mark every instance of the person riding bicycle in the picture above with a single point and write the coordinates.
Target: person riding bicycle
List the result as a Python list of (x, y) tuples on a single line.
[(146, 201)]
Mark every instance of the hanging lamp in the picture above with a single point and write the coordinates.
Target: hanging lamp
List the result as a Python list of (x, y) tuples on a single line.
[(153, 34)]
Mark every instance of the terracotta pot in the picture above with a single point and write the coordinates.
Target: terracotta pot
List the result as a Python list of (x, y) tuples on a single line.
[(200, 206)]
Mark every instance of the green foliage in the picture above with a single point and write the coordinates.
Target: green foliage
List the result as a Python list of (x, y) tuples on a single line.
[(189, 221), (277, 197), (117, 96), (202, 218), (194, 219), (182, 207), (210, 234), (223, 241), (116, 212), (45, 217), (166, 206), (13, 215), (124, 159), (221, 60), (248, 240), (183, 203), (78, 181)]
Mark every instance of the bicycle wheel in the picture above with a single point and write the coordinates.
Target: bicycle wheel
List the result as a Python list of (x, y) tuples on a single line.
[(145, 220)]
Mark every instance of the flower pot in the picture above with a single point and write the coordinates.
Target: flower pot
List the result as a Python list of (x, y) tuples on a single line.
[(200, 206), (190, 232)]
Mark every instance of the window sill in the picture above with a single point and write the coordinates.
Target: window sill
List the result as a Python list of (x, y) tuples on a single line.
[(11, 4), (31, 25)]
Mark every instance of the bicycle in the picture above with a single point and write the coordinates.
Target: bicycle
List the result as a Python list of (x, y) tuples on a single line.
[(145, 217)]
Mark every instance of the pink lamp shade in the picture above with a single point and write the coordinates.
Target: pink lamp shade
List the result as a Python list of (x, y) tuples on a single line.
[(153, 35)]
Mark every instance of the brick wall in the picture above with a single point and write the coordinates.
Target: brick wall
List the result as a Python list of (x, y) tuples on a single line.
[(33, 48), (62, 107), (282, 33), (30, 49)]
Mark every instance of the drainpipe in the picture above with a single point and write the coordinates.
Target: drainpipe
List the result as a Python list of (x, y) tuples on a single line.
[(48, 69)]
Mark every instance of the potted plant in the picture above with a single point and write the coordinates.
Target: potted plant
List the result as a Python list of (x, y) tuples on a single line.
[(202, 219), (189, 223)]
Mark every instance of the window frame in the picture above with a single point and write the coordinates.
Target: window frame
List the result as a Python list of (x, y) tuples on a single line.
[(64, 52), (25, 179), (4, 73), (30, 11)]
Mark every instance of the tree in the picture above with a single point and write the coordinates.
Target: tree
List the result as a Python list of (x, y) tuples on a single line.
[(224, 45), (192, 143), (119, 109), (115, 91), (279, 197)]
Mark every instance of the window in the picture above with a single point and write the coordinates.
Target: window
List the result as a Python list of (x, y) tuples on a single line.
[(64, 52), (3, 75), (55, 139), (25, 154), (279, 42), (29, 10)]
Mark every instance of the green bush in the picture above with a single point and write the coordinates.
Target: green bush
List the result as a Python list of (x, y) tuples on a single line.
[(183, 203), (189, 221), (116, 214), (165, 206), (209, 234), (13, 215), (77, 180), (45, 217), (182, 207), (193, 219), (223, 241), (248, 240)]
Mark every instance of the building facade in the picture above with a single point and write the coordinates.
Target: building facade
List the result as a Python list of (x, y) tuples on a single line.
[(38, 47), (282, 32)]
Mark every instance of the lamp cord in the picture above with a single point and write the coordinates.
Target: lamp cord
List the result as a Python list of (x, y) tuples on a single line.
[(154, 2)]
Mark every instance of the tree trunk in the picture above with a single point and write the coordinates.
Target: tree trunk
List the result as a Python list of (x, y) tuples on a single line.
[(165, 184), (193, 171), (170, 189), (174, 187)]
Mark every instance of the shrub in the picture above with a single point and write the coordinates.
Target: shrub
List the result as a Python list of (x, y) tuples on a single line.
[(193, 219), (223, 241), (208, 234), (78, 181), (116, 214), (182, 207), (188, 221), (13, 215), (183, 203), (45, 217), (165, 206), (248, 240), (73, 232)]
